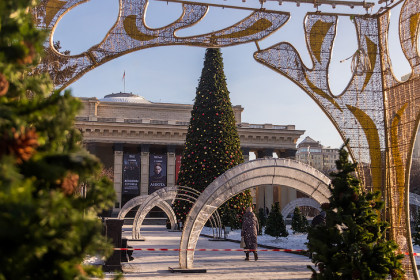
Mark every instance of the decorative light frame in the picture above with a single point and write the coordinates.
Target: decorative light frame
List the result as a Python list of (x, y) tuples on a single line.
[(379, 114)]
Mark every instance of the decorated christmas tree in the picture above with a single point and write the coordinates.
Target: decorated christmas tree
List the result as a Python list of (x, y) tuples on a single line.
[(352, 244), (212, 145), (262, 220), (299, 221), (275, 223), (46, 227)]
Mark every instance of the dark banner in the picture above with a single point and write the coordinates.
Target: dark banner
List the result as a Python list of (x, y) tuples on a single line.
[(131, 174), (157, 172), (177, 167)]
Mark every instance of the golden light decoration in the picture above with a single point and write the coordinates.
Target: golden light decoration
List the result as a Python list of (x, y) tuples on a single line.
[(379, 114), (130, 33)]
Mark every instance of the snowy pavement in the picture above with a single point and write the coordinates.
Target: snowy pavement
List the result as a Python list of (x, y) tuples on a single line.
[(219, 265)]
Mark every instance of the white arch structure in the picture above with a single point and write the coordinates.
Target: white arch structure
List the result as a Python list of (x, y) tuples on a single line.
[(276, 171), (136, 201), (145, 200), (303, 201), (159, 199), (162, 198)]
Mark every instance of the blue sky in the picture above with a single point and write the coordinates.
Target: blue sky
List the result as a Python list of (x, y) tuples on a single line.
[(171, 73)]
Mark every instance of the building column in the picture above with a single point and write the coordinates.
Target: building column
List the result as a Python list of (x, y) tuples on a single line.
[(144, 170), (118, 169), (284, 196), (288, 194), (292, 194), (93, 109), (268, 189), (269, 199), (265, 192), (170, 167)]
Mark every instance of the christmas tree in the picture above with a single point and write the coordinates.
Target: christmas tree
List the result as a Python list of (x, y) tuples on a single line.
[(416, 235), (262, 220), (212, 145), (275, 222), (299, 221), (47, 227), (352, 244)]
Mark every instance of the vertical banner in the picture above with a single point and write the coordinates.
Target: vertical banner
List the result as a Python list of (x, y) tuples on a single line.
[(177, 167), (131, 174), (157, 172)]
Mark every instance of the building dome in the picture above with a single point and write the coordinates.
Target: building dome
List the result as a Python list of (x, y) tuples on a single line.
[(124, 98)]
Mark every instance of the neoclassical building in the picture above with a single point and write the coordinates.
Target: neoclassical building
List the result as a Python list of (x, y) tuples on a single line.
[(143, 141)]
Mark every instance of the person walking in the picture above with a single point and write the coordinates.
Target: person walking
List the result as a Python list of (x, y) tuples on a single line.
[(249, 232)]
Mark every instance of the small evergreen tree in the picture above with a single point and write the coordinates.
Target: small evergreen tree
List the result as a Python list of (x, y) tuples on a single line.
[(352, 244), (299, 221), (262, 220), (212, 144), (416, 235), (275, 223), (46, 227)]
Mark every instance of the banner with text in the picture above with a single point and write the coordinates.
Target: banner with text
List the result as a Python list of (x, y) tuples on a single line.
[(157, 172), (131, 174)]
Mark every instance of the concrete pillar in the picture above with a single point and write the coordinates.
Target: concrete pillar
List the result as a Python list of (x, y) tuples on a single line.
[(144, 170), (118, 168), (170, 168)]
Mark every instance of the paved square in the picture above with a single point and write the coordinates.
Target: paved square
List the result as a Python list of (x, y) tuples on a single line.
[(219, 264)]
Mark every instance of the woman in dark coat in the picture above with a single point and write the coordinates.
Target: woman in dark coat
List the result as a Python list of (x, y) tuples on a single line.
[(249, 232)]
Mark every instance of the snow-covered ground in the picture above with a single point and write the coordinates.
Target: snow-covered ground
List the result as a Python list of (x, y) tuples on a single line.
[(293, 241), (226, 265)]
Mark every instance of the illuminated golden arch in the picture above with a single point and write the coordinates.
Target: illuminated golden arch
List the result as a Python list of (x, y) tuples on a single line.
[(379, 114), (130, 33)]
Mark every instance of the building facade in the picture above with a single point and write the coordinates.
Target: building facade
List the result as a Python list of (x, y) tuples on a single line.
[(142, 142), (313, 153)]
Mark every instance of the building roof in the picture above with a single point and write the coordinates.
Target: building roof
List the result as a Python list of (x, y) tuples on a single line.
[(124, 98), (308, 141)]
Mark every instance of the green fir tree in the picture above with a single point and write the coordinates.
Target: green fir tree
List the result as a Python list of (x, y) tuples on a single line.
[(212, 145), (416, 235), (299, 221), (262, 220), (352, 244), (276, 226), (47, 228)]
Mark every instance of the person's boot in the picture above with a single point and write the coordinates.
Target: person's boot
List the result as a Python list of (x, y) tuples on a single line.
[(246, 256), (255, 255)]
